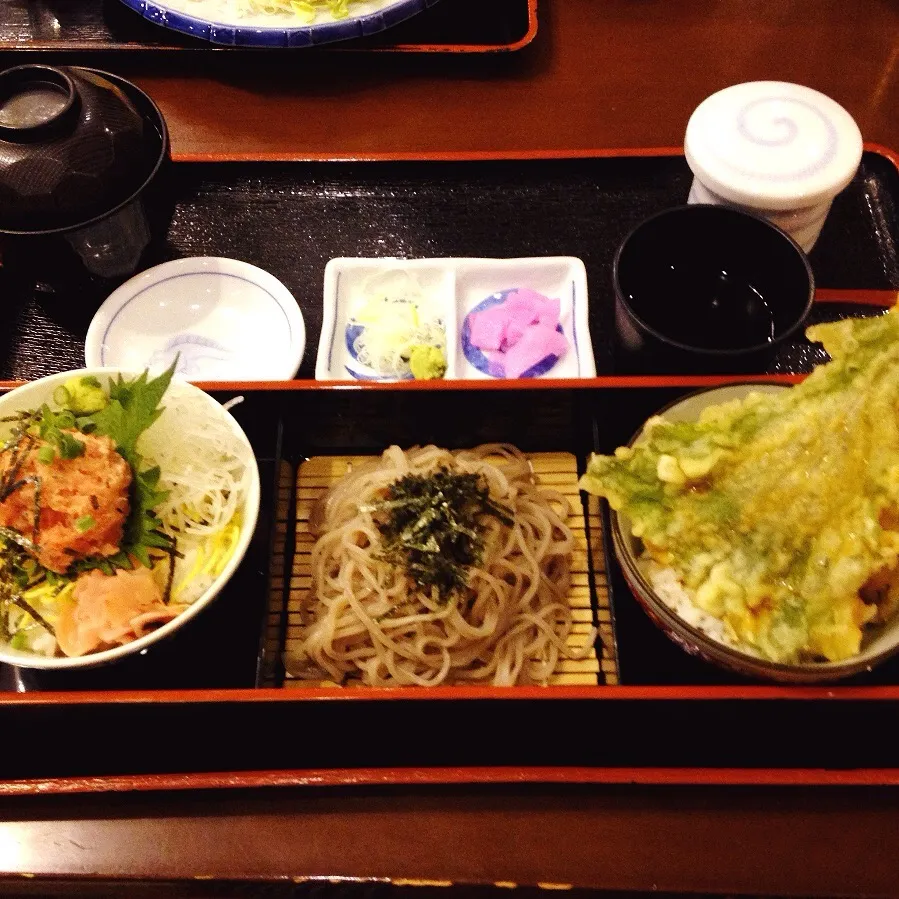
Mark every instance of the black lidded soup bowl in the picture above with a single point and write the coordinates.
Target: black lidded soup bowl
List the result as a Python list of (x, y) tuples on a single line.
[(78, 150)]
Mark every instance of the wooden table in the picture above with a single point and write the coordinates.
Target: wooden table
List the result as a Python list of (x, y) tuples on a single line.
[(797, 842), (602, 74)]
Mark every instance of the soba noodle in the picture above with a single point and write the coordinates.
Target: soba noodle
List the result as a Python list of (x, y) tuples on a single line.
[(365, 618)]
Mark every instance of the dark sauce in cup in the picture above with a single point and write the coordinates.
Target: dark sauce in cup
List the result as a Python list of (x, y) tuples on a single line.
[(707, 308), (707, 288)]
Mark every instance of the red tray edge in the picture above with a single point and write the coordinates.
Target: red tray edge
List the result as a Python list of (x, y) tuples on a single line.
[(605, 692), (521, 43), (475, 155), (423, 777)]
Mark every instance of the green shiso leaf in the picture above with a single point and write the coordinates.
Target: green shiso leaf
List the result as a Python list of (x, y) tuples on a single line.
[(133, 407)]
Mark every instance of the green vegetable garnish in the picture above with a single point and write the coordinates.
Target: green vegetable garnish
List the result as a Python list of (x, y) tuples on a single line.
[(46, 454), (56, 428), (70, 447), (432, 527), (85, 523), (19, 641), (133, 406), (82, 395), (427, 362)]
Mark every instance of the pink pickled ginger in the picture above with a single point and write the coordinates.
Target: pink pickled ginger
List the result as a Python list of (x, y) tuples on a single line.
[(110, 610), (537, 342), (519, 332), (488, 328)]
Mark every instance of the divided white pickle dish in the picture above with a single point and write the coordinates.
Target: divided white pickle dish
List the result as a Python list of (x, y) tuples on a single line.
[(456, 287)]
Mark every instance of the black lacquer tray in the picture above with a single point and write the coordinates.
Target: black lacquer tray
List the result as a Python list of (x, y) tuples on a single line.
[(452, 26), (218, 684), (291, 218)]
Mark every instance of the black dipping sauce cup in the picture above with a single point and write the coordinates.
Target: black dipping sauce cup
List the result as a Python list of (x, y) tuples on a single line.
[(707, 289)]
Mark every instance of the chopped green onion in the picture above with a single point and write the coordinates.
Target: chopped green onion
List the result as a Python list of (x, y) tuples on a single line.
[(46, 454), (85, 523), (70, 447), (19, 641), (61, 396)]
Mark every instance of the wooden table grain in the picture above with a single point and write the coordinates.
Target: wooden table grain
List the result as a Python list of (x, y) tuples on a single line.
[(730, 841), (602, 74)]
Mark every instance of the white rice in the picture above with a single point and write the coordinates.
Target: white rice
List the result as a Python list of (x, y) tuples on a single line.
[(672, 592)]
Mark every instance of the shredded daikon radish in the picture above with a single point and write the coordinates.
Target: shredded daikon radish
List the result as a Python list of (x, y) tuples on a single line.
[(206, 470), (395, 315)]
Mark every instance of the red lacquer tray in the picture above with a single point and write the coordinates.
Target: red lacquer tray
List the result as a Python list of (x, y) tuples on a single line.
[(653, 716)]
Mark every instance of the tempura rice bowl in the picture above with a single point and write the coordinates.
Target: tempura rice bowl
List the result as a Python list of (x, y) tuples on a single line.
[(669, 606), (36, 393)]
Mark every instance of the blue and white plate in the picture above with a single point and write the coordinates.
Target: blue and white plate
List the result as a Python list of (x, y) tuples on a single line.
[(218, 21), (223, 320)]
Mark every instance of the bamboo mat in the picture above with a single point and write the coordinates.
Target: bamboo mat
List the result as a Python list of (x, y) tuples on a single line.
[(557, 471), (270, 667)]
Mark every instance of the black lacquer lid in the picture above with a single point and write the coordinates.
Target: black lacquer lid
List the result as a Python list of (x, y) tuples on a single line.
[(72, 147)]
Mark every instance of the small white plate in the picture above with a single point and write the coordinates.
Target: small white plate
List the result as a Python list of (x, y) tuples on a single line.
[(457, 287), (223, 319)]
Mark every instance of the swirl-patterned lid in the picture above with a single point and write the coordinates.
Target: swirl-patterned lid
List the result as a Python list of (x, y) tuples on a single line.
[(773, 145)]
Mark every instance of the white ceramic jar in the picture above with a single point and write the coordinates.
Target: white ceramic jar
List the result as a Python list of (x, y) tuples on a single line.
[(780, 150)]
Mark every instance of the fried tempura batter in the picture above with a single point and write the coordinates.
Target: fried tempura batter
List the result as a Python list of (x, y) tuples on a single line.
[(778, 513)]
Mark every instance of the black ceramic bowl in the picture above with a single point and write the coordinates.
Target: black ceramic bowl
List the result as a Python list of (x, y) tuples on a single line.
[(707, 288)]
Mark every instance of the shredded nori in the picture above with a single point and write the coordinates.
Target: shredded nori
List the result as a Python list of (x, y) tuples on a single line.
[(16, 577), (432, 527), (170, 578)]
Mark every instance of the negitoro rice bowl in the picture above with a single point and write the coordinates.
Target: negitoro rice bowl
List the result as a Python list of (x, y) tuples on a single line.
[(127, 501)]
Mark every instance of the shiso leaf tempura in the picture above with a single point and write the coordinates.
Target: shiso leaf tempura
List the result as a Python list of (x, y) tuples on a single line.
[(778, 514), (116, 512)]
